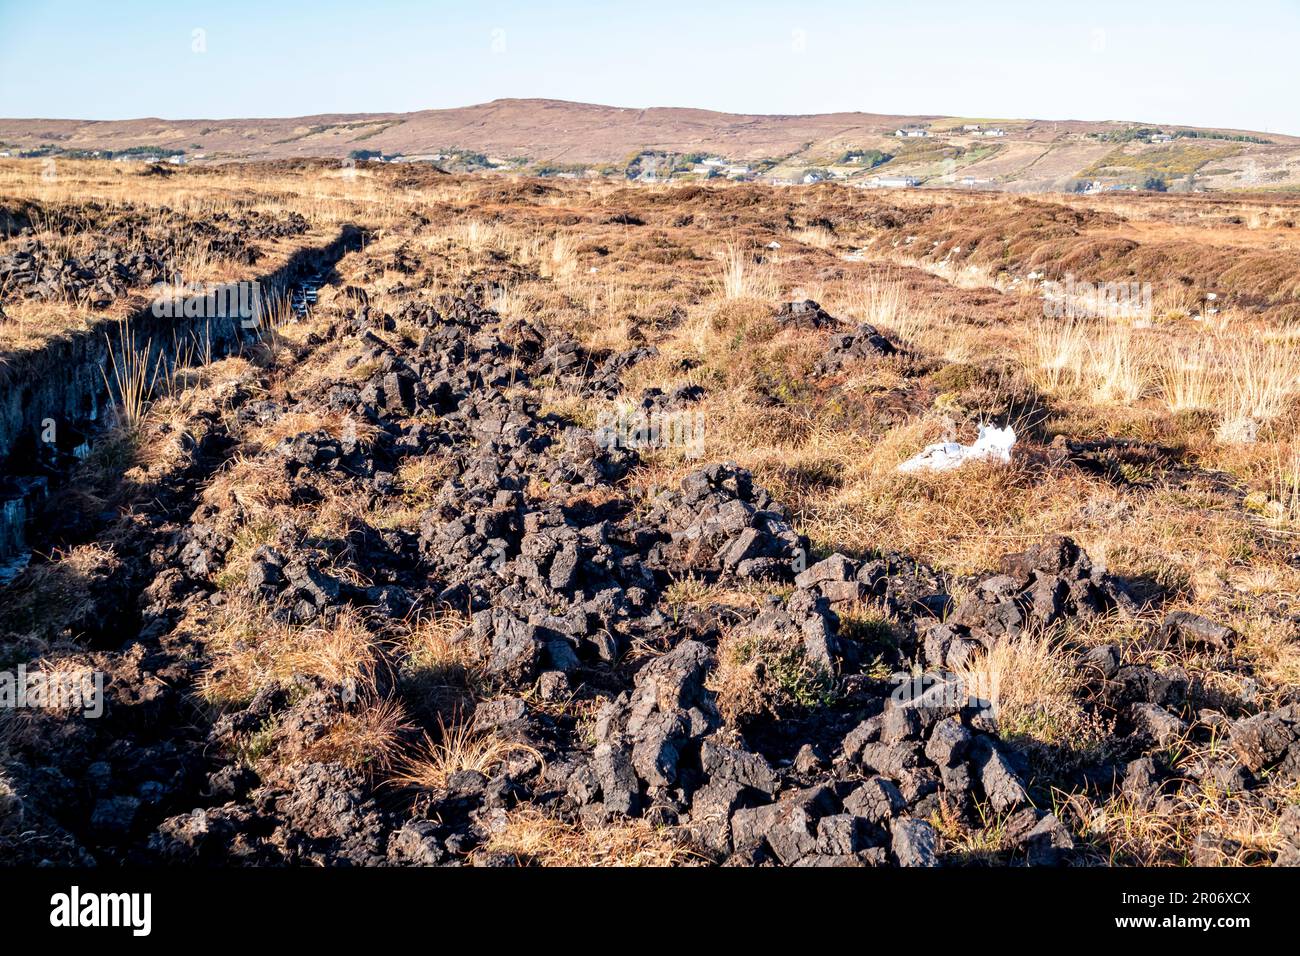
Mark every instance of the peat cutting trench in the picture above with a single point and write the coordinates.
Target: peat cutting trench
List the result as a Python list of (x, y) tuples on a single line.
[(53, 402)]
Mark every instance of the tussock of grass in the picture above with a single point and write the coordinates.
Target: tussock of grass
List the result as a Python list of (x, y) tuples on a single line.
[(761, 674), (442, 675), (458, 747), (534, 839), (368, 737), (744, 278), (249, 650), (1037, 687)]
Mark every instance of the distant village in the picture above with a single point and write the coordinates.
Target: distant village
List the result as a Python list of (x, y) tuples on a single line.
[(925, 156)]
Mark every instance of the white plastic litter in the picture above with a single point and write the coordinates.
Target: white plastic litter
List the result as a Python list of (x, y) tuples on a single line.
[(993, 444)]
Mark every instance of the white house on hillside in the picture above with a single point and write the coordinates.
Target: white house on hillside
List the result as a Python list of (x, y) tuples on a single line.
[(911, 132), (894, 182)]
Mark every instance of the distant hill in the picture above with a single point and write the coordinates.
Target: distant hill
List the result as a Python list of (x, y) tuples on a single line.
[(557, 137)]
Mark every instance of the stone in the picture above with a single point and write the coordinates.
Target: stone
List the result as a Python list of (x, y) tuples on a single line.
[(867, 732), (711, 811), (1103, 659), (751, 770), (949, 742), (787, 827), (807, 761), (619, 787), (1001, 784), (900, 724), (837, 835), (492, 715), (114, 817), (877, 800), (1196, 629), (553, 686), (1047, 843), (1158, 724), (913, 842), (1265, 739), (835, 568), (416, 844)]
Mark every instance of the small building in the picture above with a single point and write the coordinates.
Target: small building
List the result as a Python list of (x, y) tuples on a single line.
[(737, 172), (1161, 138), (990, 132), (895, 182), (911, 132), (420, 158), (812, 176)]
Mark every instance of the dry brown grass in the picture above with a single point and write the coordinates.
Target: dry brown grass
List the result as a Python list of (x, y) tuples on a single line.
[(291, 424), (983, 842), (57, 594), (816, 237), (534, 839), (249, 651), (442, 673), (744, 278), (884, 301), (1036, 688), (1246, 378), (368, 737), (1230, 831), (458, 747), (117, 187), (1272, 644)]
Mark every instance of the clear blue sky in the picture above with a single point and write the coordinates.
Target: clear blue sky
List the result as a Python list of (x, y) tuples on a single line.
[(1207, 64)]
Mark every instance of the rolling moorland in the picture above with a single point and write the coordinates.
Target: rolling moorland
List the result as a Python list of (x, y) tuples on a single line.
[(552, 137), (384, 579)]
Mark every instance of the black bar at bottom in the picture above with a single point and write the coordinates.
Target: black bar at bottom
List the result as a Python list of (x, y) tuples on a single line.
[(335, 906)]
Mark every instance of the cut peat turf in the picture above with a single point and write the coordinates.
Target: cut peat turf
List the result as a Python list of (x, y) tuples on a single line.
[(546, 528)]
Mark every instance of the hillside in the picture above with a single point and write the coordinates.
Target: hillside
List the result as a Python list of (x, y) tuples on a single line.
[(559, 136)]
